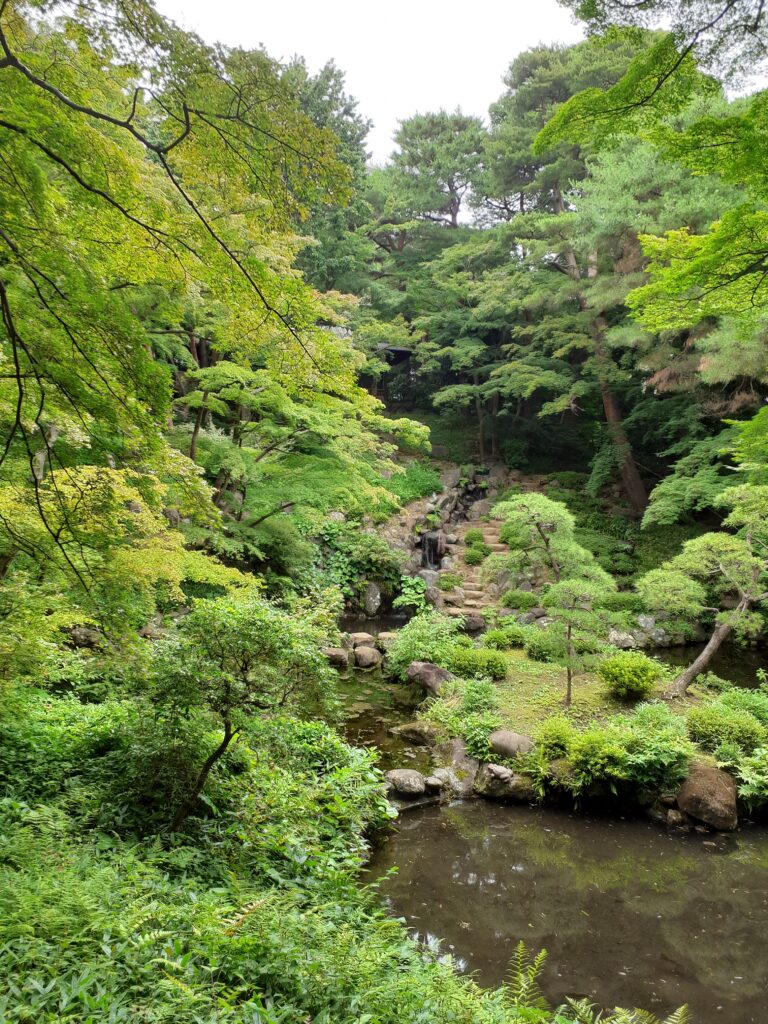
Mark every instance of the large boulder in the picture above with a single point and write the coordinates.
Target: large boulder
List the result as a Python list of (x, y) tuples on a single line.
[(337, 656), (458, 769), (421, 733), (473, 622), (709, 795), (428, 676), (505, 743), (405, 782), (385, 640), (372, 599), (430, 576), (496, 782), (361, 639), (455, 597), (434, 596), (624, 641), (367, 657)]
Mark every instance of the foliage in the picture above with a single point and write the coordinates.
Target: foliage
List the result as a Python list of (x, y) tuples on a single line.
[(752, 775), (629, 675), (412, 594), (429, 636), (449, 580), (716, 723), (417, 480), (753, 701), (476, 554), (504, 637), (474, 536), (541, 645), (520, 599), (478, 662)]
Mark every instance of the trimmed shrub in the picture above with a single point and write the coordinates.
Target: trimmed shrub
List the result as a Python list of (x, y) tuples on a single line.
[(540, 645), (554, 737), (476, 555), (429, 636), (711, 725), (504, 637), (522, 599), (629, 675), (474, 536), (622, 601), (474, 662)]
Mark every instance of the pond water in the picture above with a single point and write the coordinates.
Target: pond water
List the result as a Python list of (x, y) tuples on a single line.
[(738, 664), (630, 915)]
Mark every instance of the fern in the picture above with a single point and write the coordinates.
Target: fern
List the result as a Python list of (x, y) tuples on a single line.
[(522, 987)]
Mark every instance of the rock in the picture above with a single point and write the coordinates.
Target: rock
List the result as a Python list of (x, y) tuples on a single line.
[(430, 576), (505, 743), (447, 562), (455, 597), (668, 799), (372, 599), (646, 622), (405, 782), (367, 657), (428, 676), (624, 641), (538, 613), (657, 812), (709, 795), (526, 618), (451, 538), (337, 656), (505, 613), (459, 769), (473, 622), (677, 820), (361, 639), (385, 640), (544, 621), (496, 782), (526, 585), (421, 733), (479, 509), (85, 636), (434, 596), (435, 782)]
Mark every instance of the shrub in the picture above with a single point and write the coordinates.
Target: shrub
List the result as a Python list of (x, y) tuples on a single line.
[(474, 536), (629, 675), (449, 580), (554, 737), (753, 701), (479, 695), (540, 645), (621, 601), (522, 599), (752, 773), (475, 555), (427, 637), (712, 724), (504, 637), (476, 730), (418, 481), (475, 661)]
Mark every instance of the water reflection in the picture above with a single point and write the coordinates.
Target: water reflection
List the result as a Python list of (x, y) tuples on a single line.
[(629, 914)]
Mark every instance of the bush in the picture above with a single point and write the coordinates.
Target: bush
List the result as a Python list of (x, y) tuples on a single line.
[(629, 675), (479, 695), (622, 601), (449, 580), (427, 637), (752, 773), (474, 536), (418, 481), (713, 724), (504, 637), (522, 599), (753, 701), (540, 645), (475, 661), (554, 737), (476, 555)]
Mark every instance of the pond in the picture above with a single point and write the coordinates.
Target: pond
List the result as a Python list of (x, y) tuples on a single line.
[(738, 664), (630, 915)]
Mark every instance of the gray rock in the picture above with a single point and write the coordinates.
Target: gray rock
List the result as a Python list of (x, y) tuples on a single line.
[(372, 599), (434, 596), (385, 640), (430, 576), (337, 656), (538, 613), (361, 639), (526, 618), (452, 538), (709, 795), (367, 657), (459, 769), (678, 821), (447, 562), (526, 585), (405, 782), (455, 597), (85, 636), (496, 782), (505, 743), (544, 621), (421, 733), (435, 782), (473, 622), (624, 641), (646, 622), (428, 676)]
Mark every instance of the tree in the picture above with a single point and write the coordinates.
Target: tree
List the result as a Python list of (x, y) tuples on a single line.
[(724, 573), (237, 657), (438, 155), (571, 604)]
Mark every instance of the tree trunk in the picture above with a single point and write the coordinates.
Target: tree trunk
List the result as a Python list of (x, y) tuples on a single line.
[(569, 666), (684, 680), (634, 488), (188, 805), (198, 423), (479, 414)]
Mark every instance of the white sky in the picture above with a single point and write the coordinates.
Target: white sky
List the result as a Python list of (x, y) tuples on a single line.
[(400, 56)]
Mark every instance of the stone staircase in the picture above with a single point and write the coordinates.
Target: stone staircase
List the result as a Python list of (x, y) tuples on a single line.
[(469, 599)]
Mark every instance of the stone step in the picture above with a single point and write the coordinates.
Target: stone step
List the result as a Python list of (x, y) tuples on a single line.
[(474, 592), (498, 547)]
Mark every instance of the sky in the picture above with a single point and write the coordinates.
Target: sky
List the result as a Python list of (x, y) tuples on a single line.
[(400, 56)]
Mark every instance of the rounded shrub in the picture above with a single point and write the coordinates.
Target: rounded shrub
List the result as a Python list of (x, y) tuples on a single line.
[(475, 555), (522, 599), (629, 675), (712, 725), (473, 537), (622, 601), (753, 701), (429, 636), (554, 737), (540, 645), (504, 637), (479, 695), (478, 661)]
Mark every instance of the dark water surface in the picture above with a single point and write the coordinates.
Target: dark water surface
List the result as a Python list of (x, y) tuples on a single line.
[(630, 916)]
